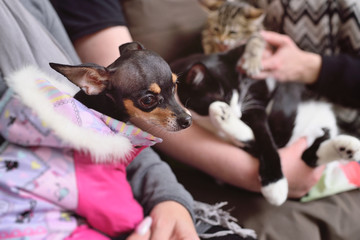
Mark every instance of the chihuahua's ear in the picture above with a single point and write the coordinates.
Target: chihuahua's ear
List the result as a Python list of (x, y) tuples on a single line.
[(196, 74), (131, 46), (91, 78)]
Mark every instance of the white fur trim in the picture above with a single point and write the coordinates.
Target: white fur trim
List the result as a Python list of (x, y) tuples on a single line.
[(102, 147)]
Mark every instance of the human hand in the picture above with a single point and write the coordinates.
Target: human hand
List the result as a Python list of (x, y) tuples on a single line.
[(172, 221), (288, 62), (142, 231), (301, 178)]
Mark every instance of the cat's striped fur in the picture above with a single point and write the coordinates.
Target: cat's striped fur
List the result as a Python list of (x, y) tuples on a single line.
[(234, 23)]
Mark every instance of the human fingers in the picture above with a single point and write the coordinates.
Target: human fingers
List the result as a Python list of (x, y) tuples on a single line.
[(184, 232), (268, 51), (142, 231), (162, 230), (172, 221), (269, 64), (262, 75), (300, 176), (276, 39), (173, 232), (311, 177)]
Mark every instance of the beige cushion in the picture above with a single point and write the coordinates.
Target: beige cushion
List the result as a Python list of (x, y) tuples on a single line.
[(171, 28)]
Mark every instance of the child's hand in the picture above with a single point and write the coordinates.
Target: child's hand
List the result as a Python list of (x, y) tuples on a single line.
[(172, 221)]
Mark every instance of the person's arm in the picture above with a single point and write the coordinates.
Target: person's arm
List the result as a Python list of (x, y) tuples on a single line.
[(95, 48), (339, 79), (225, 162)]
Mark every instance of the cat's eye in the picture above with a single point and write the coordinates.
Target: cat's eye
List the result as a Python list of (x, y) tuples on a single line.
[(148, 101), (232, 32), (216, 29)]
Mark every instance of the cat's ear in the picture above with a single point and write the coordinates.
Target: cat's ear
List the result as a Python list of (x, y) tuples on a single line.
[(211, 5), (234, 54), (256, 14), (196, 75)]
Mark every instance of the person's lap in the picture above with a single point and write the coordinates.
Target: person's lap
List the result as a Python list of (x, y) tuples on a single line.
[(330, 218)]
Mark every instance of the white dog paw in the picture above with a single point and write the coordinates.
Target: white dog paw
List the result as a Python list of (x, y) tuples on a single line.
[(276, 193)]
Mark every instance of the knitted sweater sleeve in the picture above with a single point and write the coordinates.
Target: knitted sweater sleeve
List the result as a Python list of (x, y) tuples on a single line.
[(153, 181), (339, 79)]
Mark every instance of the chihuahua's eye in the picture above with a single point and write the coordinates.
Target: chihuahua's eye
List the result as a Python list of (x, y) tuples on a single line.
[(148, 101)]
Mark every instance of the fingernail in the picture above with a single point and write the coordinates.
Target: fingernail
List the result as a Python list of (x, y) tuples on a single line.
[(144, 226)]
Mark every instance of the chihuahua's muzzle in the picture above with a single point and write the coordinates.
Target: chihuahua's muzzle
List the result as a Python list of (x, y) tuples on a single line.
[(182, 116), (169, 115)]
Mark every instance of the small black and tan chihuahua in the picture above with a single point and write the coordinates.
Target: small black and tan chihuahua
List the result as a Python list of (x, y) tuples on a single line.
[(139, 84)]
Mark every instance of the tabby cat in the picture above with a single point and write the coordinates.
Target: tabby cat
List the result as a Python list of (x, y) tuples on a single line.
[(231, 23)]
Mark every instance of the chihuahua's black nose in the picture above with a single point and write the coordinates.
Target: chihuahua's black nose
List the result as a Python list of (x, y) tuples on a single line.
[(185, 121)]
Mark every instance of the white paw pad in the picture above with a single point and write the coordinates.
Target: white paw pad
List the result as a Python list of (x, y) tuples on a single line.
[(348, 147), (276, 193), (252, 65), (224, 119), (220, 112)]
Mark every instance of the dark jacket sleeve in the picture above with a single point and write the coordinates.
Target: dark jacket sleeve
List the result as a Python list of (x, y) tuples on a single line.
[(84, 17), (153, 181), (339, 79)]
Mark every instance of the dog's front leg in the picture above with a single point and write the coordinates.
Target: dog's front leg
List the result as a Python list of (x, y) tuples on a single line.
[(274, 184)]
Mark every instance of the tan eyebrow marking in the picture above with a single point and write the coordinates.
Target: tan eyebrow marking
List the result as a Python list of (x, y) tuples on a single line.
[(174, 77), (154, 87), (158, 116)]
